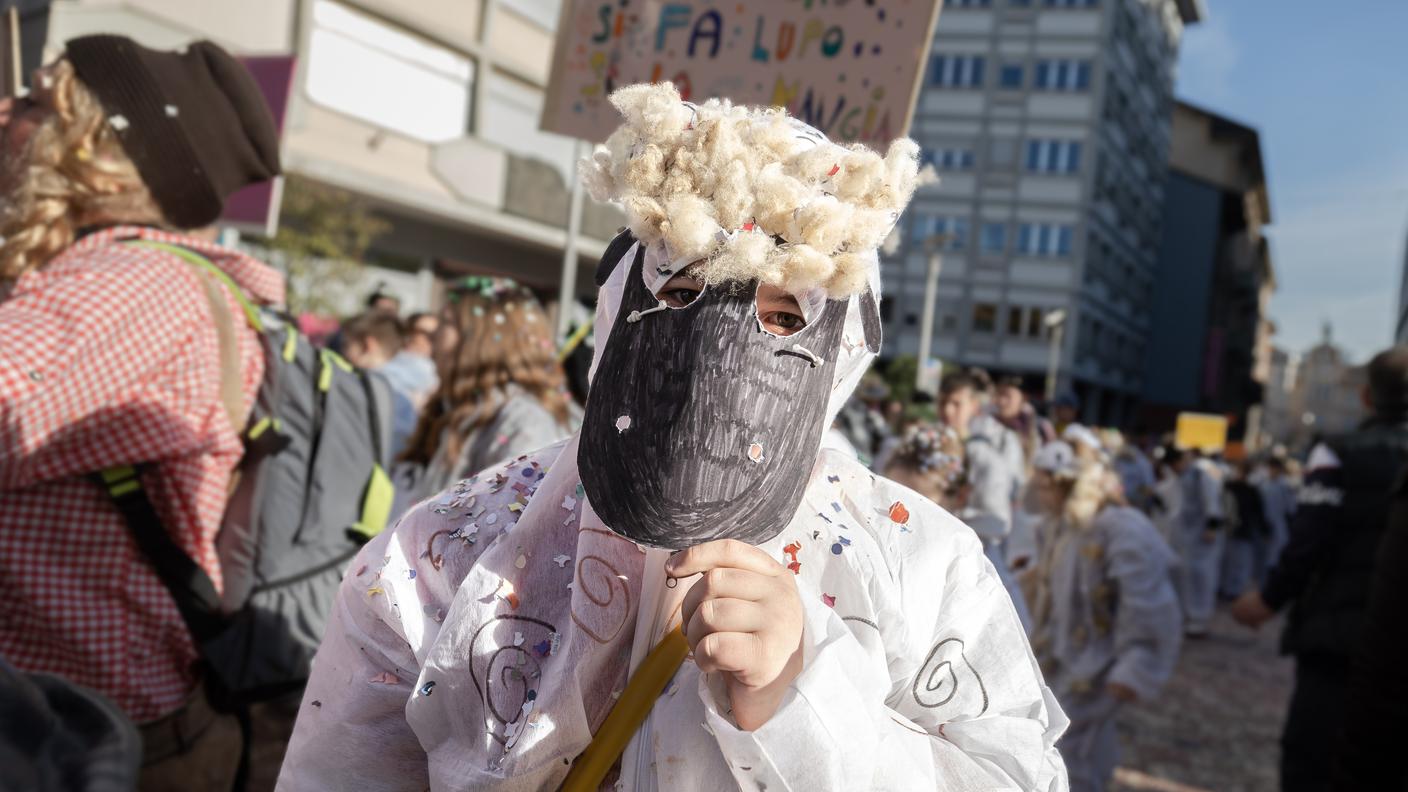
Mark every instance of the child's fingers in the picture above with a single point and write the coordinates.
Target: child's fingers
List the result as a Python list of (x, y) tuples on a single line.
[(727, 583), (728, 651), (729, 553), (724, 615)]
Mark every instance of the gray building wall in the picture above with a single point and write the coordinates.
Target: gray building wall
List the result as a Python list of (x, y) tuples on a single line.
[(1180, 303), (1097, 75)]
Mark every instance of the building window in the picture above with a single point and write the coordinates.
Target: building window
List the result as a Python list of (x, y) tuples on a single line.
[(1062, 75), (1034, 322), (953, 229), (1011, 76), (994, 238), (1020, 3), (1050, 240), (984, 318), (1071, 3), (367, 69), (1014, 321), (1053, 156), (957, 71), (968, 4), (948, 159)]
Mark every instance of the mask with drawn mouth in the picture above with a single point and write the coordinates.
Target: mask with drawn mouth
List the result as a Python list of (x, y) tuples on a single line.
[(700, 424)]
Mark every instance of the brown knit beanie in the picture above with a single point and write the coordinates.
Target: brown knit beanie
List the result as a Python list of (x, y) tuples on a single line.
[(193, 121)]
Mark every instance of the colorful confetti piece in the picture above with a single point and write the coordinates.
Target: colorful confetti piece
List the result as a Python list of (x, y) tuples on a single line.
[(561, 560), (829, 600), (898, 513), (427, 688), (386, 678)]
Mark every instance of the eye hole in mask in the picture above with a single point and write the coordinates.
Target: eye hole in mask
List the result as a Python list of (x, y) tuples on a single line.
[(778, 312)]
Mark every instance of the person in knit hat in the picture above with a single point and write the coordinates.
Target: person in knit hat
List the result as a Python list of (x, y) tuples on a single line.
[(830, 630), (114, 352)]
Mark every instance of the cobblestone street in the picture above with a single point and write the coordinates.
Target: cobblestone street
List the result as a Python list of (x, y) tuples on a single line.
[(1218, 723)]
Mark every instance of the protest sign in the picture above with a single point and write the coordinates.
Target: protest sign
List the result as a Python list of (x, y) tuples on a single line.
[(850, 68), (1201, 432)]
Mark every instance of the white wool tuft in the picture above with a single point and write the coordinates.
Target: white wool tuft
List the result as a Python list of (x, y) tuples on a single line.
[(749, 192)]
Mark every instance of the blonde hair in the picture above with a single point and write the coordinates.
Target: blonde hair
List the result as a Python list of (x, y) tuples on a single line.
[(73, 172), (1087, 494), (750, 192), (504, 339)]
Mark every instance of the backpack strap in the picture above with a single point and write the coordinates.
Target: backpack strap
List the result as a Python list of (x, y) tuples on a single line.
[(189, 585), (231, 368)]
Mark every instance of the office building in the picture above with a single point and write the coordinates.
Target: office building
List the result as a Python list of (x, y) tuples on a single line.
[(1048, 122), (1210, 342)]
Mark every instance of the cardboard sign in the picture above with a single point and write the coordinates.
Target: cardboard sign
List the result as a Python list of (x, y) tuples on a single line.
[(851, 68), (1201, 432)]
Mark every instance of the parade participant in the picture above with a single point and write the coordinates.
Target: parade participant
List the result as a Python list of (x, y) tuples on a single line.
[(1325, 570), (1244, 557), (930, 460), (995, 468), (1065, 410), (502, 392), (1012, 410), (1107, 618), (1132, 466), (113, 356), (1279, 496), (1201, 535), (482, 643), (373, 341)]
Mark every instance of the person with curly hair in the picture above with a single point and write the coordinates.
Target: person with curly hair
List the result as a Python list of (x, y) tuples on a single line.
[(502, 392), (114, 351), (1107, 621)]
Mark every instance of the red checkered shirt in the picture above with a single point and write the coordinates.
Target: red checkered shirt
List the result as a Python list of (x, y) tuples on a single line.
[(109, 356)]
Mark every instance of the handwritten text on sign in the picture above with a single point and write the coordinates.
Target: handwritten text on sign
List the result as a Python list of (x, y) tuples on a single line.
[(848, 67)]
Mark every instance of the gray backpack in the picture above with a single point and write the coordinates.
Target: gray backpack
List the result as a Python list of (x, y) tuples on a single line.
[(310, 490)]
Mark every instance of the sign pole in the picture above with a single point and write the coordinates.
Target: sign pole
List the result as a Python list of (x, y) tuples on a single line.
[(931, 296), (567, 293), (12, 19)]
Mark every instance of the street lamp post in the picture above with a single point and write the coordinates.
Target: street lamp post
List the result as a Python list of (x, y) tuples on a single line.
[(934, 245), (1055, 324), (567, 291)]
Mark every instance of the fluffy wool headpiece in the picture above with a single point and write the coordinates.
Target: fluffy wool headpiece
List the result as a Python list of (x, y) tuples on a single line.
[(749, 192)]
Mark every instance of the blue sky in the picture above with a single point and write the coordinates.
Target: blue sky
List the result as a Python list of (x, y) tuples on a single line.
[(1326, 84)]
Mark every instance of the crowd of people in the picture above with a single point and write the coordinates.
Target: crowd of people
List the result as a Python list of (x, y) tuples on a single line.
[(737, 550)]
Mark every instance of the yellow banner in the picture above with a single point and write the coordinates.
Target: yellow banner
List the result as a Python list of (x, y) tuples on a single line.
[(1201, 432)]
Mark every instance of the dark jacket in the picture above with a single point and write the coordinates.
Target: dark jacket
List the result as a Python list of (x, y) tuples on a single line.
[(1378, 695), (1324, 571)]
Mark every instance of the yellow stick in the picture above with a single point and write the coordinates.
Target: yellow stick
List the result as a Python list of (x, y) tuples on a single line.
[(573, 341), (629, 713)]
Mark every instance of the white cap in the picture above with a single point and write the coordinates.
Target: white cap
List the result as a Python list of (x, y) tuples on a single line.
[(1078, 434), (1056, 458)]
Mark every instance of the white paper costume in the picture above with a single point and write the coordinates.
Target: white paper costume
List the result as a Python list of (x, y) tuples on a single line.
[(1201, 504), (997, 472), (479, 644), (1105, 612)]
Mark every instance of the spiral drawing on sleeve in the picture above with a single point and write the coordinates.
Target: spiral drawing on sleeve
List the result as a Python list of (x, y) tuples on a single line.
[(591, 588), (945, 674), (508, 673)]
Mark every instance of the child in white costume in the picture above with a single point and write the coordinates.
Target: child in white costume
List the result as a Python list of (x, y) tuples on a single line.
[(1107, 618), (481, 643)]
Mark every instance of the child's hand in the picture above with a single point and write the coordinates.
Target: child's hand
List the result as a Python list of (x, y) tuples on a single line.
[(744, 620)]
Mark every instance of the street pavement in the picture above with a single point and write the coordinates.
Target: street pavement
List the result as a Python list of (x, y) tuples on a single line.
[(1217, 725)]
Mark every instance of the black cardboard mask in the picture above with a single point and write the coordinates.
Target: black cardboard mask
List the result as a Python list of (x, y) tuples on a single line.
[(700, 425)]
